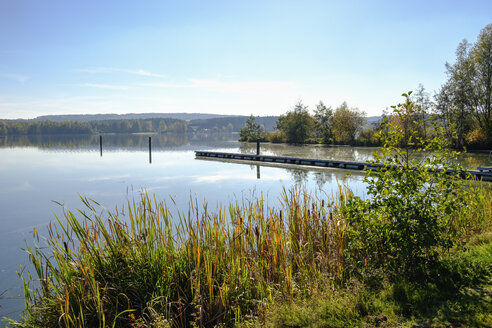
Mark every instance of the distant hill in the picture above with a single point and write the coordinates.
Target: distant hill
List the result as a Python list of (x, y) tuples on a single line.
[(196, 121), (139, 123), (370, 120), (131, 116)]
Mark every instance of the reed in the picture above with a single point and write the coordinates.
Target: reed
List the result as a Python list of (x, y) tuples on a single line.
[(103, 269)]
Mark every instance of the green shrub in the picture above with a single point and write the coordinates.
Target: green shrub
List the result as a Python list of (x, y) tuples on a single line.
[(409, 216), (276, 137)]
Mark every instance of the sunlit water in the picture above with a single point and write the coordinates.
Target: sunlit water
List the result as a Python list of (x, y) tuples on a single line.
[(39, 173)]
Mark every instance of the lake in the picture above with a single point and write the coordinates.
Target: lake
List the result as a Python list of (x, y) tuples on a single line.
[(39, 173)]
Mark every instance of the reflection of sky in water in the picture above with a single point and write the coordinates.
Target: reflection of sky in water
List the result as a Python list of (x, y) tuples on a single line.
[(32, 178)]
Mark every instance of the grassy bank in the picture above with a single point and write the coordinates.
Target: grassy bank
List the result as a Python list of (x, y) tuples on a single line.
[(246, 265), (458, 294)]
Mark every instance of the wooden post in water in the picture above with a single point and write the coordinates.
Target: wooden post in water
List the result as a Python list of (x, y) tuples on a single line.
[(257, 147), (101, 145), (257, 171), (150, 150)]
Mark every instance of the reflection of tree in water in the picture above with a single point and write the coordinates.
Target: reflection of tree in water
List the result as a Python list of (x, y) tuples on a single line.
[(110, 141), (298, 175), (469, 161), (321, 178), (343, 153), (211, 136), (142, 141), (119, 141), (473, 161), (247, 148), (340, 153), (50, 141)]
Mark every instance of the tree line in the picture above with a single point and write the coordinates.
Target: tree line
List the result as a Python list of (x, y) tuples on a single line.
[(227, 124), (158, 125), (462, 107)]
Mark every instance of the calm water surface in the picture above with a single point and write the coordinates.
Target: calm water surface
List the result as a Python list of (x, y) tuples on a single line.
[(36, 173)]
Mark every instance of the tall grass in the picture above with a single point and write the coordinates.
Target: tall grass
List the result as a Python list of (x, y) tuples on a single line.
[(140, 267), (104, 269)]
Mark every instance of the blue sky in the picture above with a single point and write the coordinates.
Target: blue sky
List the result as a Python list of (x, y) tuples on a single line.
[(226, 57)]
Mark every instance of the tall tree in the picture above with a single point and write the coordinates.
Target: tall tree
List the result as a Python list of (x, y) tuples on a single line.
[(454, 98), (347, 123), (3, 128), (162, 126), (465, 99), (323, 116), (481, 57), (296, 124), (422, 100), (251, 131)]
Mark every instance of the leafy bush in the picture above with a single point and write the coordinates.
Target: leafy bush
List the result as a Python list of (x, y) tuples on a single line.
[(476, 139), (413, 200), (367, 137), (276, 137)]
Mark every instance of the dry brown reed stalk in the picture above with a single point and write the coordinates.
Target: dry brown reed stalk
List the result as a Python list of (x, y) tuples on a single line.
[(109, 269)]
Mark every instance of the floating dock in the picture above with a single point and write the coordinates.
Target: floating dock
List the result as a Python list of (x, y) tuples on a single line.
[(482, 173)]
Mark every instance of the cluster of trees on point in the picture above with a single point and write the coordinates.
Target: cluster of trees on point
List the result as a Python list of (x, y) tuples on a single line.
[(342, 125), (462, 107), (159, 125)]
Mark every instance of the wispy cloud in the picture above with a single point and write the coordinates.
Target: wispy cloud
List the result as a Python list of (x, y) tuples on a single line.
[(235, 175), (211, 95), (226, 86), (12, 108), (104, 86), (108, 178), (145, 73), (95, 70), (166, 85), (30, 108), (102, 70), (17, 77)]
